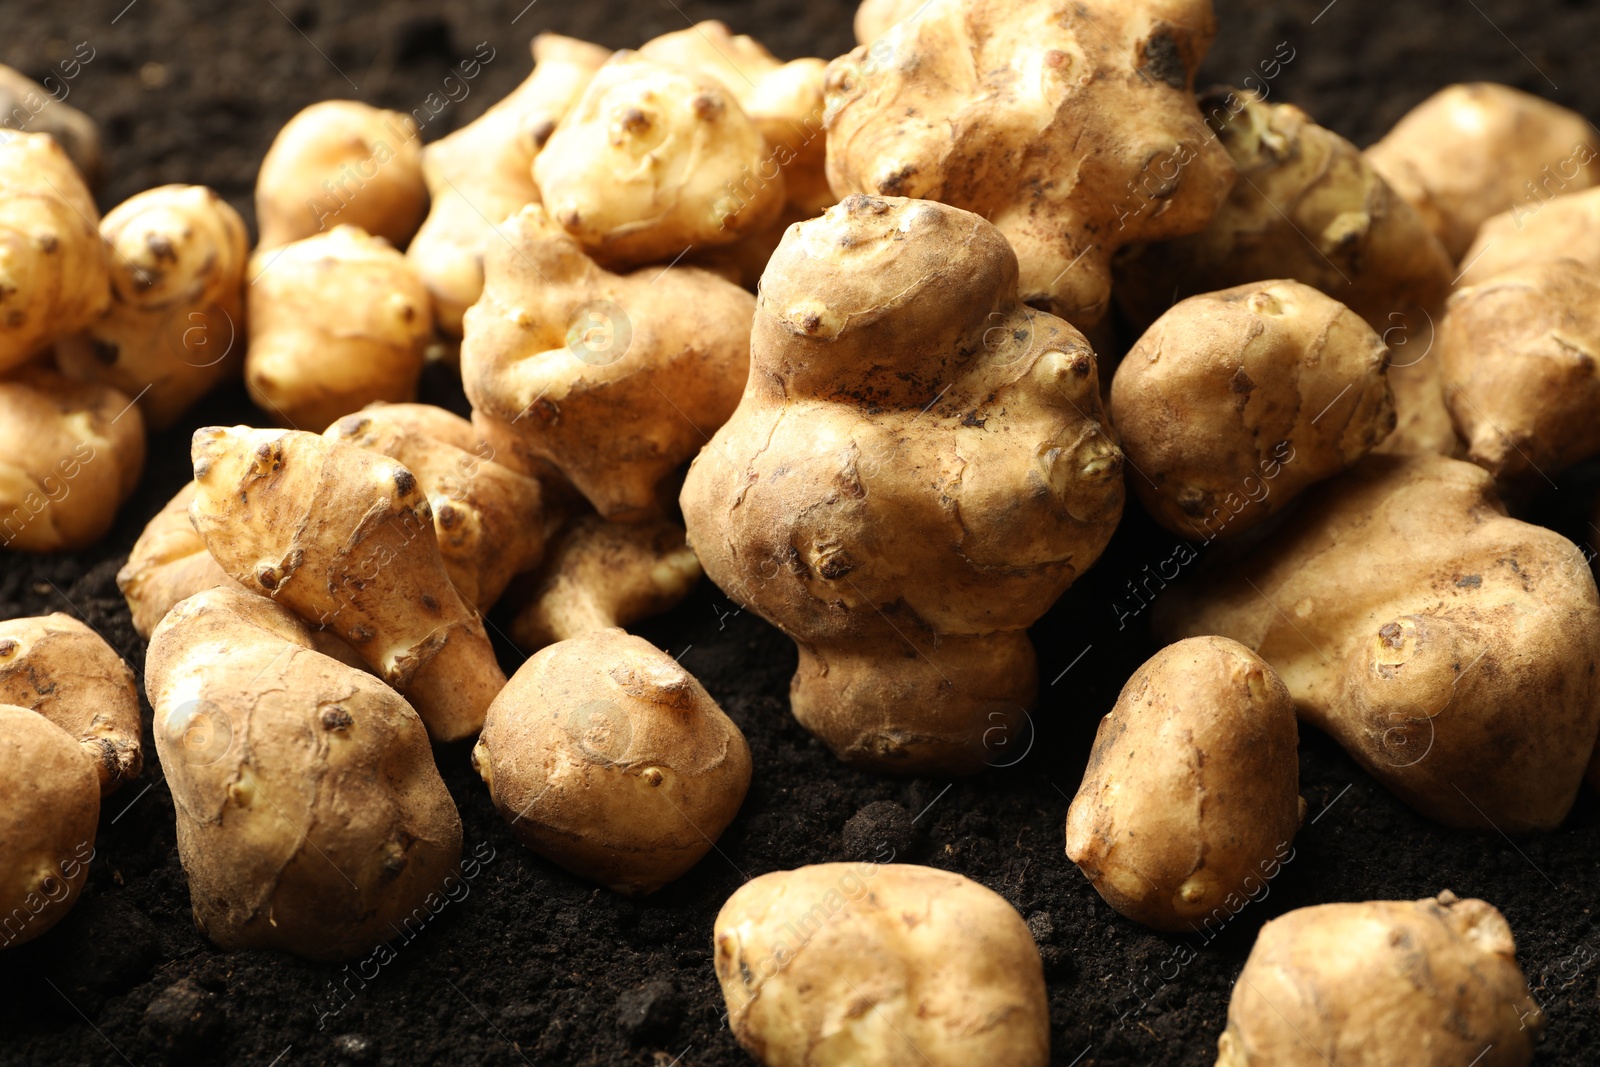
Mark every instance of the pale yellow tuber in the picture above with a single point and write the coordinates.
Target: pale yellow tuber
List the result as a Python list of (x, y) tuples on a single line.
[(27, 105), (918, 469), (654, 160), (70, 454), (169, 563), (344, 538), (483, 173), (49, 809), (1564, 227), (175, 327), (65, 671), (311, 817), (602, 574), (614, 380), (53, 262), (1426, 983), (839, 964), (337, 321), (1191, 798), (608, 758), (1071, 127), (342, 163), (1235, 402)]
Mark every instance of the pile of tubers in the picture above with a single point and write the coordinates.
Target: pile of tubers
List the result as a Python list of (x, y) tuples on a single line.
[(841, 337)]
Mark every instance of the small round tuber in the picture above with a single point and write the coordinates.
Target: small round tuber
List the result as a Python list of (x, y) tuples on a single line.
[(608, 758), (337, 321), (892, 965), (1191, 798), (1427, 983), (342, 163)]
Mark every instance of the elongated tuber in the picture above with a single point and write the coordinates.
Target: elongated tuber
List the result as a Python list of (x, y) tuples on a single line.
[(53, 262), (337, 321), (1191, 798), (344, 538), (614, 380), (887, 964), (65, 671), (342, 163), (310, 815), (175, 327), (918, 469), (483, 173), (608, 758)]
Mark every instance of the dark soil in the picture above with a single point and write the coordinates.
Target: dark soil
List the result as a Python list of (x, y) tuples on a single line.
[(537, 967)]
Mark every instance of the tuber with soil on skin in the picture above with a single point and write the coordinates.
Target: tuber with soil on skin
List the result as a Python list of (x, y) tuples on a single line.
[(27, 105), (1235, 402), (1426, 983), (654, 160), (310, 815), (1450, 649), (54, 278), (608, 758), (49, 812), (608, 381), (1072, 128), (1191, 799), (63, 670), (344, 538), (176, 320), (483, 173), (337, 321), (785, 100), (917, 470), (342, 163), (1517, 357), (489, 520), (70, 454), (1563, 227), (600, 575), (886, 964), (1472, 151)]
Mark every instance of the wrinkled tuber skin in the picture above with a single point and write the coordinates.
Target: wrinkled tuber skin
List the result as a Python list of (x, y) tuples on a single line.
[(785, 100), (53, 262), (1191, 798), (342, 163), (1427, 983), (653, 160), (310, 815), (175, 327), (917, 471), (888, 964), (337, 321), (1517, 355), (488, 519), (1450, 649), (1471, 151), (49, 810), (602, 574), (344, 538), (70, 454), (1027, 113), (25, 104), (483, 173), (1565, 227), (1307, 206), (610, 759), (1235, 402), (614, 380), (62, 669), (168, 564)]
